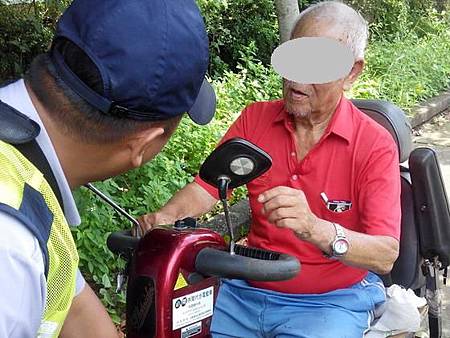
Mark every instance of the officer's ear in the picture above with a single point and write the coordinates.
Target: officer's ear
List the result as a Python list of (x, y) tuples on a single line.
[(144, 145)]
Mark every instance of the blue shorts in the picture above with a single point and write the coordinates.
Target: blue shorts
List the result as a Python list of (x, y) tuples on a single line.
[(246, 312)]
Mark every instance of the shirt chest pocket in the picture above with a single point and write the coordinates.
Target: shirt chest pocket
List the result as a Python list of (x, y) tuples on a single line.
[(347, 218)]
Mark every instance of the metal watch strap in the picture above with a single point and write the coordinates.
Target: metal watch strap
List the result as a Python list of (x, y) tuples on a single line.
[(339, 230), (340, 235)]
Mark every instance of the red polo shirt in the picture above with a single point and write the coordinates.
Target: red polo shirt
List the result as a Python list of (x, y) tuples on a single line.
[(356, 160)]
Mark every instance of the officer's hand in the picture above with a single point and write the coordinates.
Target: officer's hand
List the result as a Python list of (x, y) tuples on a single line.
[(152, 220), (288, 208)]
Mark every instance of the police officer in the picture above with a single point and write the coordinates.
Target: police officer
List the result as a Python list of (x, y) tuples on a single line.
[(104, 99)]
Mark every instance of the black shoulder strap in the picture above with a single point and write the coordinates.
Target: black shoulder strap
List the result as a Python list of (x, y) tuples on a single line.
[(21, 132), (35, 155)]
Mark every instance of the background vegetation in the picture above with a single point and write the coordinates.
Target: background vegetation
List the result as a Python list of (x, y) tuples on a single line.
[(407, 61)]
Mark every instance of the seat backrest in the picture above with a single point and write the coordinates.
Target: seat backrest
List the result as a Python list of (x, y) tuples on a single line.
[(393, 119), (425, 211), (407, 268)]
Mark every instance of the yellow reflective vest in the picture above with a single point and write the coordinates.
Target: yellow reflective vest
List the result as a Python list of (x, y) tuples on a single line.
[(26, 195)]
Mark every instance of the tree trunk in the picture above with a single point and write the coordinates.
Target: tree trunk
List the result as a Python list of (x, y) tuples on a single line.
[(287, 13)]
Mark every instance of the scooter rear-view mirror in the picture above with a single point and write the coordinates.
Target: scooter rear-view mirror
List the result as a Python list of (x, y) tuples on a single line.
[(237, 161)]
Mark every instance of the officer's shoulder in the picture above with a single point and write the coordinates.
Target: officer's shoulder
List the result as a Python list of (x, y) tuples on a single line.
[(18, 242)]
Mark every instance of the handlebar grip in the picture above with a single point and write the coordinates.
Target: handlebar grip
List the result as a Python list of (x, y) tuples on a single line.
[(122, 242), (247, 263)]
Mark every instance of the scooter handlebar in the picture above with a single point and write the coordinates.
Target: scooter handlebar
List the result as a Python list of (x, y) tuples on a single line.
[(247, 263), (122, 242)]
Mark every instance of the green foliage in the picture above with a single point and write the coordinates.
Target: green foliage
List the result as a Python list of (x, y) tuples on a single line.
[(98, 265), (407, 69), (235, 24), (22, 36), (394, 18), (25, 31)]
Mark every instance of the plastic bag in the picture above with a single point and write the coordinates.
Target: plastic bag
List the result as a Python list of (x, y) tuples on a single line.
[(400, 313)]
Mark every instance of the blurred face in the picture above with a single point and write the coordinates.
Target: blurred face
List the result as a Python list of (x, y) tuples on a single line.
[(305, 100)]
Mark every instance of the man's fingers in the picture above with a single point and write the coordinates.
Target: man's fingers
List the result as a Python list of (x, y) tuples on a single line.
[(280, 190), (150, 221), (282, 213), (285, 223), (280, 201), (147, 222)]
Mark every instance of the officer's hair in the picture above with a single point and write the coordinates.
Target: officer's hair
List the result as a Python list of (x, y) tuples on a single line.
[(354, 27), (74, 115)]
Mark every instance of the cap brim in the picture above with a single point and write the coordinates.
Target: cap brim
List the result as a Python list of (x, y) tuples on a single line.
[(204, 106)]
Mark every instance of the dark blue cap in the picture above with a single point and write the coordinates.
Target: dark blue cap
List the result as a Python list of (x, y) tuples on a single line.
[(152, 56)]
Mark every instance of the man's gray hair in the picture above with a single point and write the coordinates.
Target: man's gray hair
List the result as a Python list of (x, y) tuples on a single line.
[(354, 26)]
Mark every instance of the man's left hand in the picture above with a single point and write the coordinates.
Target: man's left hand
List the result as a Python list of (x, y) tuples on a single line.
[(288, 208)]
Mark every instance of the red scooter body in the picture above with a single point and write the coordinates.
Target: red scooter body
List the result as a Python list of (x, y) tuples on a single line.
[(166, 297)]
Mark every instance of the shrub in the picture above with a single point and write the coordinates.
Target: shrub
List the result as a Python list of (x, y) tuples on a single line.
[(235, 24), (22, 36), (406, 70)]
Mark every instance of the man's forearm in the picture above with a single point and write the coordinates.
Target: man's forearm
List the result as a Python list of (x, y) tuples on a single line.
[(191, 201), (374, 253)]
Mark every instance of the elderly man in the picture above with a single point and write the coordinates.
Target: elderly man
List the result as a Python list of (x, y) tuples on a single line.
[(332, 199)]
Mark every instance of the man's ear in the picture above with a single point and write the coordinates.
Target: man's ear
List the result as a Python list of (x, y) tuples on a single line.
[(356, 71), (141, 142)]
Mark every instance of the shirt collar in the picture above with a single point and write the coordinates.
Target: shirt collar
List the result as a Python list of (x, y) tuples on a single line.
[(16, 95), (340, 123)]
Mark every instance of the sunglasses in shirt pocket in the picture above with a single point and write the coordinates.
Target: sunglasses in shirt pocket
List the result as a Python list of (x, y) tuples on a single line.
[(339, 206), (337, 211)]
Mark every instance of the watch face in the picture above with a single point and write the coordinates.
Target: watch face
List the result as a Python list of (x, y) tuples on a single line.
[(340, 247)]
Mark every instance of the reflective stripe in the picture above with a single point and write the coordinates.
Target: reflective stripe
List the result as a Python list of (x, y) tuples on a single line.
[(48, 329)]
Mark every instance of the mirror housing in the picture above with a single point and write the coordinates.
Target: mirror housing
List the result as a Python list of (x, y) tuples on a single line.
[(237, 160)]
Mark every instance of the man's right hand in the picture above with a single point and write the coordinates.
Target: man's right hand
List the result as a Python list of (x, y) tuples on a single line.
[(191, 201), (152, 220)]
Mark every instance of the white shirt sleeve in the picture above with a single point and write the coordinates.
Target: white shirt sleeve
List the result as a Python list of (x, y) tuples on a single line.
[(79, 283), (22, 280)]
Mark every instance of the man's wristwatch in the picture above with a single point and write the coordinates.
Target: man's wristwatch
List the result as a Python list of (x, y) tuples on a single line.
[(340, 244)]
